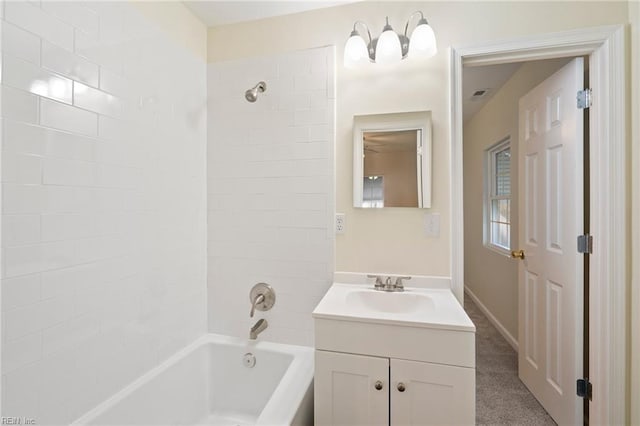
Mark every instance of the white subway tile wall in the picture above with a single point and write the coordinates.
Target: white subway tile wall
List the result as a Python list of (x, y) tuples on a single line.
[(103, 203), (270, 185)]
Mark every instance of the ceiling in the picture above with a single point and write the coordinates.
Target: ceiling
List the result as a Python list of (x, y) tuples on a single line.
[(490, 77), (214, 13)]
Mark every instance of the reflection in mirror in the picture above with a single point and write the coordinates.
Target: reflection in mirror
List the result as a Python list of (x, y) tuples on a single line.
[(393, 155), (372, 191), (392, 160)]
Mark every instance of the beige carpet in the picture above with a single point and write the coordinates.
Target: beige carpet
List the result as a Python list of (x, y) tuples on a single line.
[(501, 398)]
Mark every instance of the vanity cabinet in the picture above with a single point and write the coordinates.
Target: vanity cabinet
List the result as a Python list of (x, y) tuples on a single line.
[(403, 358), (434, 394), (369, 390), (345, 389)]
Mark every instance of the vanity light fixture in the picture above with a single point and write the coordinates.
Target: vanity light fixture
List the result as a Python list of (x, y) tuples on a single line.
[(390, 47)]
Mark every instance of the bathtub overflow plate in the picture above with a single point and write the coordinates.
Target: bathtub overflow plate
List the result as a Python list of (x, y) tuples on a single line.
[(249, 360)]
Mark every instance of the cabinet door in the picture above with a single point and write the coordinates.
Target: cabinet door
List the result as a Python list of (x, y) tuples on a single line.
[(345, 390), (433, 394)]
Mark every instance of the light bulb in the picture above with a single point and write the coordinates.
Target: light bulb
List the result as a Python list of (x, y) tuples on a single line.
[(355, 51), (388, 50), (423, 41)]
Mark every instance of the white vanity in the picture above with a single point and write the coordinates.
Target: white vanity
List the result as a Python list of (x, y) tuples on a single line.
[(393, 358)]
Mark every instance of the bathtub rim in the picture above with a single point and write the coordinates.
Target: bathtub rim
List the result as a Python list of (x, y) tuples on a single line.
[(290, 390)]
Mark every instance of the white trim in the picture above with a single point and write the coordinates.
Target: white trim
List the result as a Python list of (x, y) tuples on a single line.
[(572, 43), (2, 335), (499, 251), (608, 264), (492, 319), (456, 178), (609, 225), (634, 14)]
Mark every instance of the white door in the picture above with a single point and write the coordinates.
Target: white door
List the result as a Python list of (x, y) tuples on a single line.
[(351, 389), (423, 393), (550, 194)]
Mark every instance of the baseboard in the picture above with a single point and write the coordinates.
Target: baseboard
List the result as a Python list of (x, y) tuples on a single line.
[(493, 320)]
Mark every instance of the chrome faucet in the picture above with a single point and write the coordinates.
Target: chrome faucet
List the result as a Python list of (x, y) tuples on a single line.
[(399, 286), (258, 328), (388, 285), (379, 285), (262, 297)]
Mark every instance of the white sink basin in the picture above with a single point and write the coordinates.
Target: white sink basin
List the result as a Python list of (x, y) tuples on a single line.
[(395, 302), (417, 307)]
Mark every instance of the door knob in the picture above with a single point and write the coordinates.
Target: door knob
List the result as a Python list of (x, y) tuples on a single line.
[(401, 387), (378, 385), (517, 254)]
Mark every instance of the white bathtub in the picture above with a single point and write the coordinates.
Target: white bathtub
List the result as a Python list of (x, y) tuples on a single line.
[(207, 383)]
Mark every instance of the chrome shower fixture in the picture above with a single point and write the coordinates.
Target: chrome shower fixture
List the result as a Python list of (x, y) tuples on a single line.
[(252, 94)]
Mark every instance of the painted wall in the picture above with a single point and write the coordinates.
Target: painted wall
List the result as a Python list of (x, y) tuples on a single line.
[(398, 244), (491, 278), (270, 185), (103, 200), (178, 22)]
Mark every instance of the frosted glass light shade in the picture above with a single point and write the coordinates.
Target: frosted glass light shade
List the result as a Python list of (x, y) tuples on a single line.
[(388, 50), (423, 42), (355, 52)]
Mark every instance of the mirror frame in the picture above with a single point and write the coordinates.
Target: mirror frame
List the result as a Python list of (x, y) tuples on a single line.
[(414, 120)]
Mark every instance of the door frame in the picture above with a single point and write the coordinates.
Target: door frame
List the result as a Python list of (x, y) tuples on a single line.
[(608, 191)]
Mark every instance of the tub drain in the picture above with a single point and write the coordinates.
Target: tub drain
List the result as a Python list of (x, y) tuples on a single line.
[(249, 360)]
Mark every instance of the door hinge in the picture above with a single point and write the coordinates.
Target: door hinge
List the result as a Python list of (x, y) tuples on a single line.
[(584, 389), (585, 98), (585, 244)]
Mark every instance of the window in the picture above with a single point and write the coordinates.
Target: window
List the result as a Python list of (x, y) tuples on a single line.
[(498, 197)]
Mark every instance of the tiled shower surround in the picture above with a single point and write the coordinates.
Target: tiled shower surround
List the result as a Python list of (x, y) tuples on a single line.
[(270, 185), (103, 203)]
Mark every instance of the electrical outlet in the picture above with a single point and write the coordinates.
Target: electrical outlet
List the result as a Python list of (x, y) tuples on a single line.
[(432, 225), (341, 223)]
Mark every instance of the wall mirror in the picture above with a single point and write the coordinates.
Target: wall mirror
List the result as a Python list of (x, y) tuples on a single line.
[(392, 160)]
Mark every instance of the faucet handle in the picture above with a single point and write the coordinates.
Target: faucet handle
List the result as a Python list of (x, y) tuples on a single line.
[(256, 302), (399, 283), (262, 297), (379, 283)]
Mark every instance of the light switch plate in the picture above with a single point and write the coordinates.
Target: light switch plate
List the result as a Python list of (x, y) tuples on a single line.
[(432, 225)]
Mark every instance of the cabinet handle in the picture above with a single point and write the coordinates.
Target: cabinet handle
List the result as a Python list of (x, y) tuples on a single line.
[(378, 385), (401, 387)]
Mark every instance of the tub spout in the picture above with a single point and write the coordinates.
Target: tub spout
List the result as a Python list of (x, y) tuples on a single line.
[(258, 328)]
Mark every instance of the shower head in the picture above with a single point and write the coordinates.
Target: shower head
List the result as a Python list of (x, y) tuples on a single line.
[(252, 94)]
